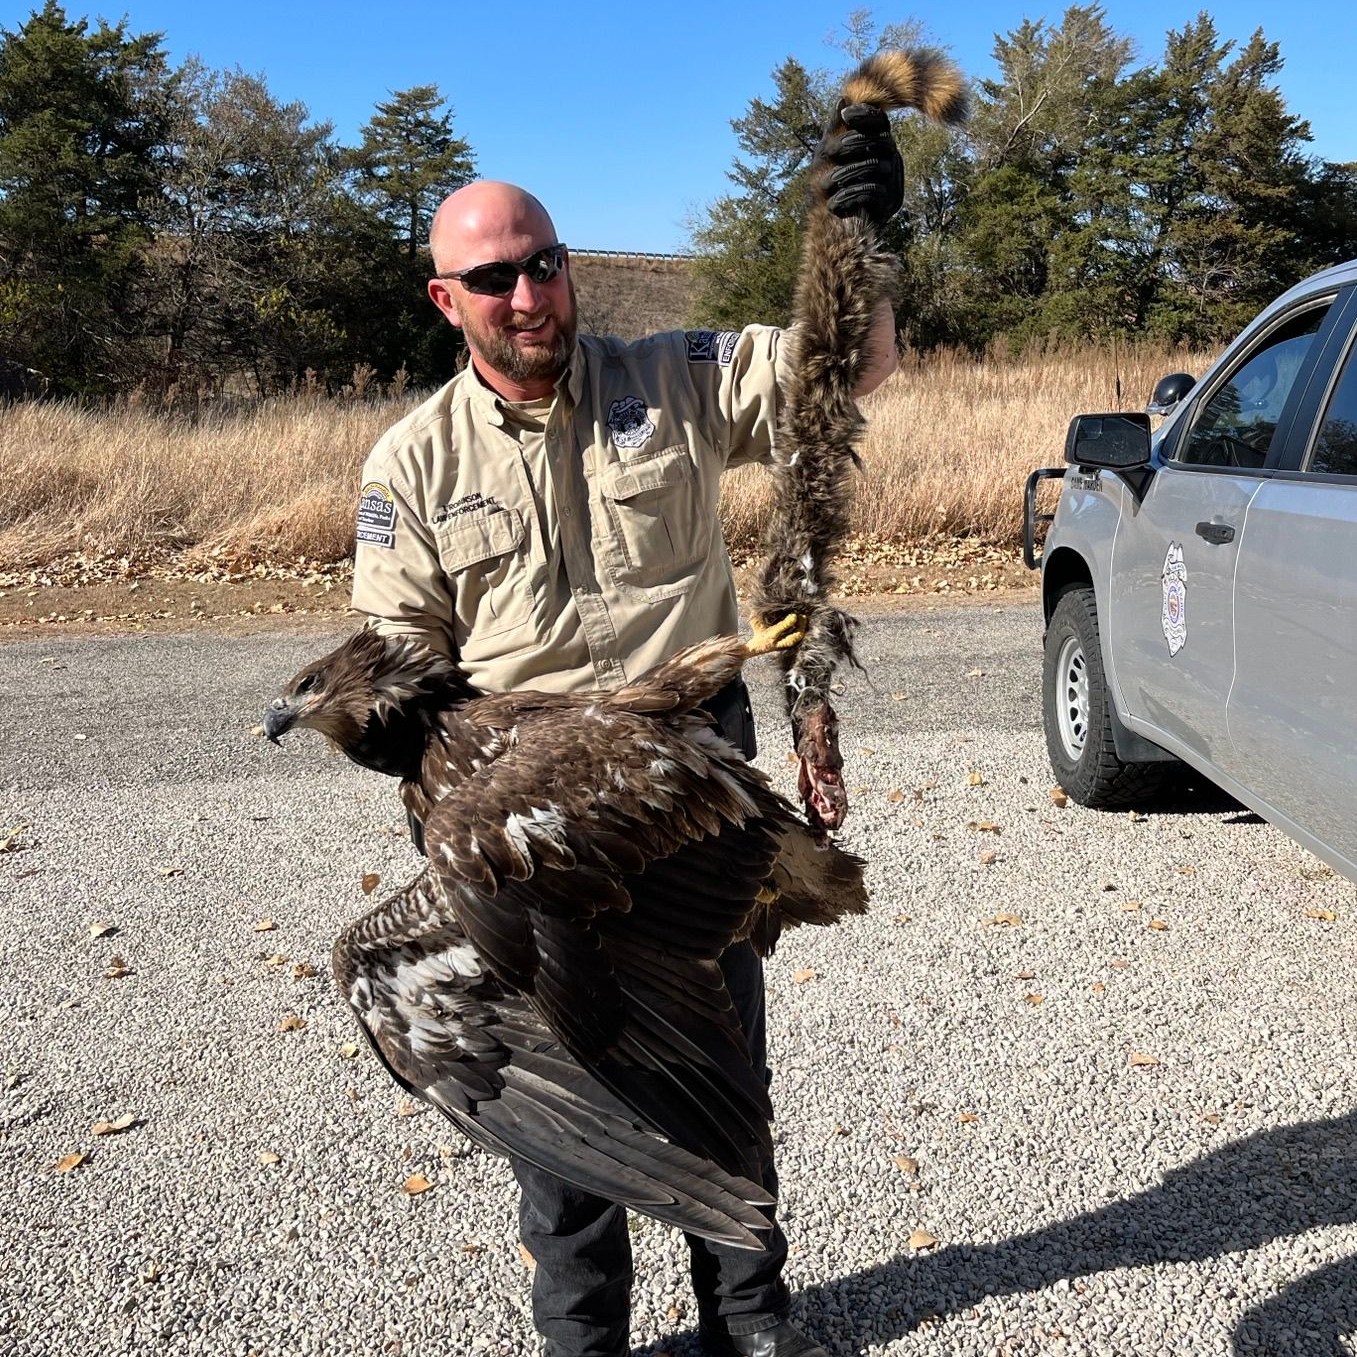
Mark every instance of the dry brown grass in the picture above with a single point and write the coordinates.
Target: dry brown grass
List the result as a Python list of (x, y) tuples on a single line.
[(950, 443)]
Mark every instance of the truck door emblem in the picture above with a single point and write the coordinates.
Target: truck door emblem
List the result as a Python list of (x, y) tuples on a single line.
[(1174, 617)]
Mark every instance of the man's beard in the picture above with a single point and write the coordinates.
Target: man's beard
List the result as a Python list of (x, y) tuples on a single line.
[(524, 363)]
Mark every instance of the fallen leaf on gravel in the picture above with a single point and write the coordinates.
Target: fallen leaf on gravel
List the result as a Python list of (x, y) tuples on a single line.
[(151, 1272), (984, 826), (967, 1116), (1098, 987), (349, 1050), (1005, 920), (1130, 906), (988, 857), (268, 1158), (1119, 963), (12, 1078), (895, 796), (975, 673), (415, 1184), (1025, 975), (265, 926), (525, 1257), (406, 1107), (370, 882), (801, 976), (974, 779), (1327, 915), (277, 959), (1035, 999), (899, 697), (303, 970), (1185, 869), (472, 1249), (9, 842), (292, 1023), (904, 1163), (171, 871), (117, 968), (1140, 1058), (102, 930), (118, 1124), (903, 918), (1158, 925), (1060, 798), (1214, 1118), (67, 1162), (921, 1239), (257, 732)]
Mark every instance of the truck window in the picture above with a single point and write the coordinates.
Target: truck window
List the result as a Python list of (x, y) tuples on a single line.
[(1234, 428), (1335, 450)]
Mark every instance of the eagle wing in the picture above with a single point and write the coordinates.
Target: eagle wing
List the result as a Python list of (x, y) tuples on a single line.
[(600, 867), (450, 1032)]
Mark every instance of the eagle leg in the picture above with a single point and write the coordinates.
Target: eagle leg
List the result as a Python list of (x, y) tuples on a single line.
[(771, 632)]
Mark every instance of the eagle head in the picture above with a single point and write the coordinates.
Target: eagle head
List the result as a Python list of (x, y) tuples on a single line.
[(369, 691)]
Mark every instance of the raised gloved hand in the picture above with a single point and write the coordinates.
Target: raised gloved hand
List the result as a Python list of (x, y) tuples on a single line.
[(868, 175)]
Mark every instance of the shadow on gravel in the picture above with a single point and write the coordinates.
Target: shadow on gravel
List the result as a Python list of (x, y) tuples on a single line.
[(1274, 1184)]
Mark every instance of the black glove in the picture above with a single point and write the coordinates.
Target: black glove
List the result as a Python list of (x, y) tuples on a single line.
[(868, 178)]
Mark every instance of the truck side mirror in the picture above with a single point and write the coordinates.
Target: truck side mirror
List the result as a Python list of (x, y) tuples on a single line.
[(1117, 442)]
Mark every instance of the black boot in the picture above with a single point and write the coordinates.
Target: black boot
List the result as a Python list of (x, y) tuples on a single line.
[(782, 1340)]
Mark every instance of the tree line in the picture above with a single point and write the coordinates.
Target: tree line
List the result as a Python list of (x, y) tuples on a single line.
[(1088, 196), (183, 230)]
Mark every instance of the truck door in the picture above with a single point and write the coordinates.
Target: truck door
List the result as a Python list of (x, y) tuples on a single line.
[(1293, 707), (1173, 564)]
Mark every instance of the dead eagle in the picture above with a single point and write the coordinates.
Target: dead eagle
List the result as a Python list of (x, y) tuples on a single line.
[(550, 980)]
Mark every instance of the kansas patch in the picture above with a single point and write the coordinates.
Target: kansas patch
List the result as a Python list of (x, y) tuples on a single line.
[(377, 516), (711, 346), (630, 422)]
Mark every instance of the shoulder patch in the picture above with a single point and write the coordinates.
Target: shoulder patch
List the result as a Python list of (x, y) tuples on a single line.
[(630, 422), (377, 516), (711, 346)]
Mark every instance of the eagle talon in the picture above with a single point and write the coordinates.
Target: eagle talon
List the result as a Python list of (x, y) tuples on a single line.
[(783, 634)]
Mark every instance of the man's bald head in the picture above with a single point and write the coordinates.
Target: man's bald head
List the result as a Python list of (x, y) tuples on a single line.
[(520, 340), (485, 221)]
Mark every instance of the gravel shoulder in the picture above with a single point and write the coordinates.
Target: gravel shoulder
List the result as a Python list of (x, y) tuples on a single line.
[(1079, 1083)]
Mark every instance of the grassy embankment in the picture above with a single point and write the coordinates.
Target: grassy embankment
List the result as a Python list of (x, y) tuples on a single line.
[(271, 488)]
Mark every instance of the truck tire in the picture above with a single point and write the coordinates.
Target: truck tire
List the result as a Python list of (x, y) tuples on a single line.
[(1077, 716)]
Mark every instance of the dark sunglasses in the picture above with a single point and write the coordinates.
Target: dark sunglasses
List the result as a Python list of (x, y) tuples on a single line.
[(500, 278)]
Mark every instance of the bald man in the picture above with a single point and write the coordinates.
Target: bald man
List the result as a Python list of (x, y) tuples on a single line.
[(549, 520)]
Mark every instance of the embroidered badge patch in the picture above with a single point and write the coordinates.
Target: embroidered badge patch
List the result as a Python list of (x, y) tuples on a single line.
[(377, 516), (711, 346), (630, 422), (1174, 618)]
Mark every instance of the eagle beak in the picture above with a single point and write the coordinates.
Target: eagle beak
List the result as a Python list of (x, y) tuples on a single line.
[(279, 717)]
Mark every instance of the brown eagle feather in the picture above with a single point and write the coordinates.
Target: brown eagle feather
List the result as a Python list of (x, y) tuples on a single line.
[(550, 981)]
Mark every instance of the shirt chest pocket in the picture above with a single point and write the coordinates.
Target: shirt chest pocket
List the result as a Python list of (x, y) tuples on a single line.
[(659, 524), (486, 561)]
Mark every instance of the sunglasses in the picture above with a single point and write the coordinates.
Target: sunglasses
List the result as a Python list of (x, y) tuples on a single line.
[(500, 278)]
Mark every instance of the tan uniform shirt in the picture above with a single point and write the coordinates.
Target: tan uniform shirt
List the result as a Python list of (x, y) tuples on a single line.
[(573, 543)]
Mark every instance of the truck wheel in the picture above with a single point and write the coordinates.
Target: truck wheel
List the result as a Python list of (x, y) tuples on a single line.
[(1077, 716)]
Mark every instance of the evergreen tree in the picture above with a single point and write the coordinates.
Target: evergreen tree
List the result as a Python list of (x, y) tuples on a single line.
[(83, 115), (409, 160)]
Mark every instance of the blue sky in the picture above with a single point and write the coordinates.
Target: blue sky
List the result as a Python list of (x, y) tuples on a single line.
[(618, 116)]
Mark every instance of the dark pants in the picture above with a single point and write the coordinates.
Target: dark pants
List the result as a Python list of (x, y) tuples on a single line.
[(581, 1289)]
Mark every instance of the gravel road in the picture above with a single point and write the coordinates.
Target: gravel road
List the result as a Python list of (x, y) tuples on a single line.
[(1080, 1084)]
